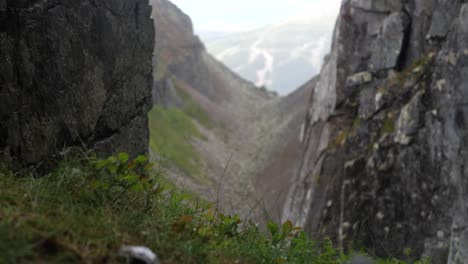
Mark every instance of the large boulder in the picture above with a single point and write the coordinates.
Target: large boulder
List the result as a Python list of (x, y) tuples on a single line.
[(74, 73)]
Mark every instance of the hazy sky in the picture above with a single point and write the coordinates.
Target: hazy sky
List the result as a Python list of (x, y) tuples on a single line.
[(235, 15)]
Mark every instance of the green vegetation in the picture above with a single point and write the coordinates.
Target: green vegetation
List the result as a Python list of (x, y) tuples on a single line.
[(416, 70), (86, 209), (193, 109), (160, 71), (388, 126), (171, 133), (339, 140)]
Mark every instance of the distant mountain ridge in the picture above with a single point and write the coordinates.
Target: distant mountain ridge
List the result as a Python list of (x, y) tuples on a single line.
[(281, 56)]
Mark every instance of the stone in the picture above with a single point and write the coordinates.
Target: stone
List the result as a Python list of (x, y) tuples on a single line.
[(440, 84), (439, 24), (388, 45), (464, 18), (79, 74), (361, 260), (139, 254), (359, 79), (408, 121), (378, 5), (452, 58)]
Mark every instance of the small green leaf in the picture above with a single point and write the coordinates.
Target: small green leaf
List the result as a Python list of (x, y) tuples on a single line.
[(287, 227), (137, 187), (131, 178), (101, 164), (123, 157), (141, 159), (112, 159), (272, 228), (113, 168)]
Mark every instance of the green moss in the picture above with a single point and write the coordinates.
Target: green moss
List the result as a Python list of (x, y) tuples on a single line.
[(388, 126), (416, 69), (355, 126), (193, 109), (340, 139), (171, 135)]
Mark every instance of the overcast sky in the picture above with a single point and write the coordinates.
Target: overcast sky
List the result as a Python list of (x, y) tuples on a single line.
[(237, 15)]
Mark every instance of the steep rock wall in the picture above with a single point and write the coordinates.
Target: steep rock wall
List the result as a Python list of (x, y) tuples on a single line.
[(384, 152), (74, 73)]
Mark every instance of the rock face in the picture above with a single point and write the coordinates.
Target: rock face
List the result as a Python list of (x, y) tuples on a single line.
[(74, 73), (385, 149)]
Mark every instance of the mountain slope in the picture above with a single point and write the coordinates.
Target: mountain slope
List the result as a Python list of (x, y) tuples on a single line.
[(230, 116), (282, 56)]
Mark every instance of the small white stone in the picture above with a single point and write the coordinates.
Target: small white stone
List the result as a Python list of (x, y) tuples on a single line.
[(376, 146), (417, 69), (355, 225), (329, 203), (387, 229), (399, 226), (380, 215), (378, 98), (465, 52), (441, 84), (452, 58), (346, 225), (440, 234), (139, 253), (349, 164), (434, 112)]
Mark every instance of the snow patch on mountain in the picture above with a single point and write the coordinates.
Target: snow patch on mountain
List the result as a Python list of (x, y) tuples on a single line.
[(282, 56), (263, 74)]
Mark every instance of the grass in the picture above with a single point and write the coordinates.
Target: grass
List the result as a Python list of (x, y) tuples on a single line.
[(86, 209), (171, 135), (193, 109)]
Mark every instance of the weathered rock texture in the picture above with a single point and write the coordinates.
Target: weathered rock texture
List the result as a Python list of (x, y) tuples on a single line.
[(386, 139), (73, 73)]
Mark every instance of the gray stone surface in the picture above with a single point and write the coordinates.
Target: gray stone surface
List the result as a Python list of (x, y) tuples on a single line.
[(359, 79), (408, 121), (406, 134), (377, 5), (74, 73), (387, 48), (361, 260)]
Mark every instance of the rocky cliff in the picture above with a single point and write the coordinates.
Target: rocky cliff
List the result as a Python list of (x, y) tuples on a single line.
[(74, 73), (385, 143)]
